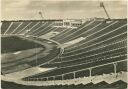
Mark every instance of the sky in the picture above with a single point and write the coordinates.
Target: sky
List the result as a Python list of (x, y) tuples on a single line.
[(61, 9)]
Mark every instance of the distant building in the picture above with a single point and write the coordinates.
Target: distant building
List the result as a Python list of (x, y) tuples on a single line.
[(69, 23)]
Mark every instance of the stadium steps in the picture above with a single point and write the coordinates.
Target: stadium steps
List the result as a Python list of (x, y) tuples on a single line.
[(79, 67), (104, 50), (70, 43), (104, 43), (12, 27), (108, 79), (57, 37), (78, 61), (41, 27), (78, 31), (27, 28), (97, 51), (51, 33), (118, 85), (118, 30), (70, 31), (5, 26), (41, 30), (24, 73), (99, 32)]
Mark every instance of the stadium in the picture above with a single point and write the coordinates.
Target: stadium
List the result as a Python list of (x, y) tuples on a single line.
[(64, 53)]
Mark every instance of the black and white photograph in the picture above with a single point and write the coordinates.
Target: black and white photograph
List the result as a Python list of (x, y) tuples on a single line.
[(64, 44)]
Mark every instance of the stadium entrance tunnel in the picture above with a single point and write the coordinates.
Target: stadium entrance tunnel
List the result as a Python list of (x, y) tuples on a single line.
[(20, 52)]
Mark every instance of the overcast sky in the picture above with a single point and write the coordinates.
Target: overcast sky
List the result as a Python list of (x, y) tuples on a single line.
[(28, 9)]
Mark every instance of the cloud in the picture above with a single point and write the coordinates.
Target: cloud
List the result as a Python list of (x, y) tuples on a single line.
[(28, 9)]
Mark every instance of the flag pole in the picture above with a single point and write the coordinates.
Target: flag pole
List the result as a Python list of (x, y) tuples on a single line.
[(102, 5), (40, 13)]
